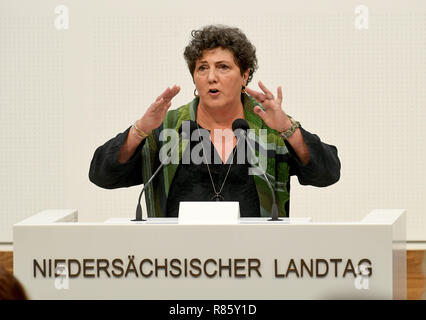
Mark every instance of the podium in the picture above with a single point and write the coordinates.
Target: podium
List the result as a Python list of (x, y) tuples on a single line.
[(56, 257)]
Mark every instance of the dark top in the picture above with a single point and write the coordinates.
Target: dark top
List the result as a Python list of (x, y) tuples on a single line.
[(192, 182)]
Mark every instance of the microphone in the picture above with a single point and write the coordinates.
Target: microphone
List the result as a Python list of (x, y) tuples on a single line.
[(240, 127), (183, 134)]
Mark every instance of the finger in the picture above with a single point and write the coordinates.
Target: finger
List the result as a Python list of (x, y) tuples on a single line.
[(258, 110), (161, 98), (174, 91), (163, 105), (268, 93), (167, 105), (164, 93), (262, 100), (259, 96), (157, 104), (280, 95), (167, 93), (164, 109)]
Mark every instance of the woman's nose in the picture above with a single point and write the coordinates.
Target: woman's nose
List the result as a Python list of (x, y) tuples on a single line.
[(212, 75)]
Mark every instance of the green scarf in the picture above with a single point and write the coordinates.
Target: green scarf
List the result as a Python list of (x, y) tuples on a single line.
[(277, 169)]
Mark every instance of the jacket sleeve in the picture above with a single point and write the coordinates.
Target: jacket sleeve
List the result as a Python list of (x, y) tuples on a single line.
[(323, 168), (107, 172)]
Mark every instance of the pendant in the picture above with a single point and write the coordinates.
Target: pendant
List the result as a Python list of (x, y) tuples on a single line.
[(218, 197)]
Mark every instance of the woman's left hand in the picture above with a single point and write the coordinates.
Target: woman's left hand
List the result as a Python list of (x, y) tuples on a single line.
[(273, 116)]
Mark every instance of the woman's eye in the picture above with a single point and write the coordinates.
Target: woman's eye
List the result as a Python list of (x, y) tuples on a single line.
[(201, 68), (223, 66)]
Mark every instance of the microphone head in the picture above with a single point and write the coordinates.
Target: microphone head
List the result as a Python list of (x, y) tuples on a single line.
[(240, 124)]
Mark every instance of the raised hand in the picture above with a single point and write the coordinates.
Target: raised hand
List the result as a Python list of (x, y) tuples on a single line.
[(273, 115), (156, 112)]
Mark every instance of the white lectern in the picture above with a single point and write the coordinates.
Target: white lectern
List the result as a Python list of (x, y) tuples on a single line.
[(56, 257)]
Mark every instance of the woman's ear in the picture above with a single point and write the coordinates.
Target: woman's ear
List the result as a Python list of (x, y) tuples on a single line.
[(245, 77)]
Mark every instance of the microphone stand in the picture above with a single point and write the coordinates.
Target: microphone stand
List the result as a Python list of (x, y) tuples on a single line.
[(182, 135), (274, 215), (243, 126), (139, 207)]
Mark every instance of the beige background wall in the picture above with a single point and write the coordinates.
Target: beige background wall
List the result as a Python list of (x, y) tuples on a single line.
[(65, 92)]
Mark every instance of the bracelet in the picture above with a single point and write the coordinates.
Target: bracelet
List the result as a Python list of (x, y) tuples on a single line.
[(289, 132), (138, 132)]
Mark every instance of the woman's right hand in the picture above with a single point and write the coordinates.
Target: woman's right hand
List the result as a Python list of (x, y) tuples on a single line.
[(156, 112)]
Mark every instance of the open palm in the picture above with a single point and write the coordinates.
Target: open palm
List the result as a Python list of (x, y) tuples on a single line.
[(273, 116)]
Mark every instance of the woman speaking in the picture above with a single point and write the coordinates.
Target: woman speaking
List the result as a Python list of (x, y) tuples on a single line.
[(221, 61)]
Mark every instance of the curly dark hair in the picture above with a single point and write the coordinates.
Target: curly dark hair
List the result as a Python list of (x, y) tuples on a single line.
[(233, 39)]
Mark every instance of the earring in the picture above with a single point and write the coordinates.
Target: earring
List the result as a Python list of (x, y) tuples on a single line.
[(243, 89), (196, 93)]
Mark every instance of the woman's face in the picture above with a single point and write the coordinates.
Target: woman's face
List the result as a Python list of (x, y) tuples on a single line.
[(218, 78)]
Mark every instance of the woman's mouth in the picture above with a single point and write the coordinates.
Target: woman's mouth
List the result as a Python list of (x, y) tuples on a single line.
[(214, 92)]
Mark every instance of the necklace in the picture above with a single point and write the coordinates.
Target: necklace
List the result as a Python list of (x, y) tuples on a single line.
[(217, 194)]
